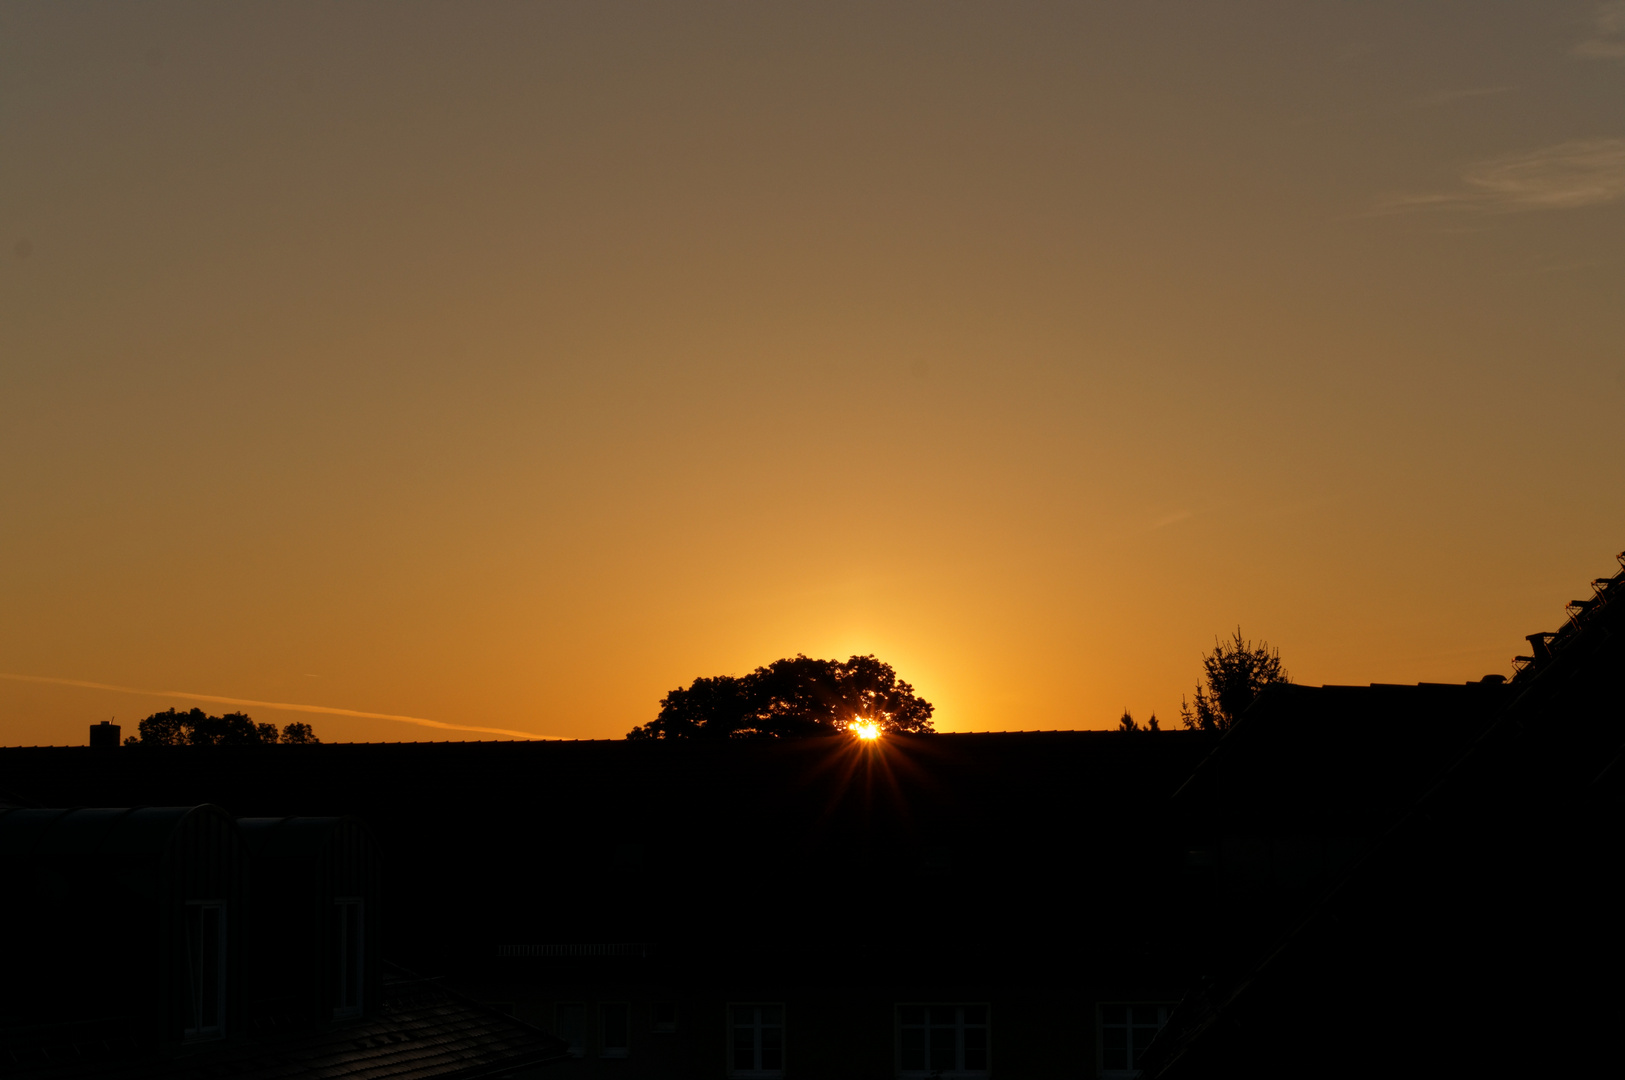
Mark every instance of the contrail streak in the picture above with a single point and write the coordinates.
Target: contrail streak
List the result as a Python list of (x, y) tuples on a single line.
[(284, 705)]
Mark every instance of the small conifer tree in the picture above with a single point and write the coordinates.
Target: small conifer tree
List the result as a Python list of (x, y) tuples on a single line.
[(1232, 676)]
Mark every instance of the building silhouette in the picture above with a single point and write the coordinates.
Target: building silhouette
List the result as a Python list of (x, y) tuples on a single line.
[(179, 942), (1353, 879)]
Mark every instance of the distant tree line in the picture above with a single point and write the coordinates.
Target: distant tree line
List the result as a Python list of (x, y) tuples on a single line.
[(796, 696), (197, 728), (799, 696)]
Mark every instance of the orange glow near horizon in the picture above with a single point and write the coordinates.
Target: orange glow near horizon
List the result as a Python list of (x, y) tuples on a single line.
[(485, 370), (866, 730)]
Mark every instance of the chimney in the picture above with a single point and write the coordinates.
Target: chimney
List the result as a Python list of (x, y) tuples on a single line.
[(104, 734)]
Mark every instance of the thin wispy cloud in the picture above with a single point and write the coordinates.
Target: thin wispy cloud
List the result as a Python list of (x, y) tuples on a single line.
[(1584, 172), (1607, 40), (283, 705), (1450, 97), (1175, 517), (1437, 100), (1172, 519)]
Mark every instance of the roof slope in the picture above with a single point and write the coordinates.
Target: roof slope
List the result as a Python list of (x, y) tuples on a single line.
[(423, 1031)]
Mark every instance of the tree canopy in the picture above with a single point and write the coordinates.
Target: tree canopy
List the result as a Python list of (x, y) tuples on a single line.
[(796, 696), (197, 728), (1232, 676)]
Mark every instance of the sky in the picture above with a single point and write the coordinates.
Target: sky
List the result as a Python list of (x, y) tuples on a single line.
[(472, 370)]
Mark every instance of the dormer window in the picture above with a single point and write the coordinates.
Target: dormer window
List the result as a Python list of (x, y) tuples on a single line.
[(205, 969), (571, 1026), (942, 1040), (349, 932), (613, 1030), (1125, 1031), (756, 1040)]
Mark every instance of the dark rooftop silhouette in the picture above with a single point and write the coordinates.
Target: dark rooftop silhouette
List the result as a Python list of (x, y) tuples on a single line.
[(1426, 853)]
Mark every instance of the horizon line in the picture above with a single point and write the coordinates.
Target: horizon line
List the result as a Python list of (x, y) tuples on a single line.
[(286, 706)]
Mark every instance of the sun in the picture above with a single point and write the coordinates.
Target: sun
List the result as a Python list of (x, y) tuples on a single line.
[(867, 730)]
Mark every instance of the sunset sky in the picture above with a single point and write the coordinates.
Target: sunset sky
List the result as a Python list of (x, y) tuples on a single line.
[(508, 365)]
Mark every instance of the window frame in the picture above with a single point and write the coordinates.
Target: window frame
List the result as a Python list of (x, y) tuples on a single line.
[(625, 1049), (576, 1049), (756, 1027), (959, 1039), (197, 1032), (1164, 1008), (342, 1011)]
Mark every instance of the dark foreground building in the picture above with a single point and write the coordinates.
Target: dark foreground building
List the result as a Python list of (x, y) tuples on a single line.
[(1470, 924), (1355, 879), (951, 904), (178, 942)]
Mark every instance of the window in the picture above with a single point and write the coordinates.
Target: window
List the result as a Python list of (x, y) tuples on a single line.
[(664, 1017), (756, 1040), (348, 938), (947, 1040), (613, 1029), (1125, 1031), (205, 969), (571, 1026)]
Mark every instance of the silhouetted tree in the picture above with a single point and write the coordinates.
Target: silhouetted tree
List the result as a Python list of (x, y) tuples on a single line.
[(707, 708), (1128, 723), (297, 732), (1232, 676), (197, 728), (796, 696)]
